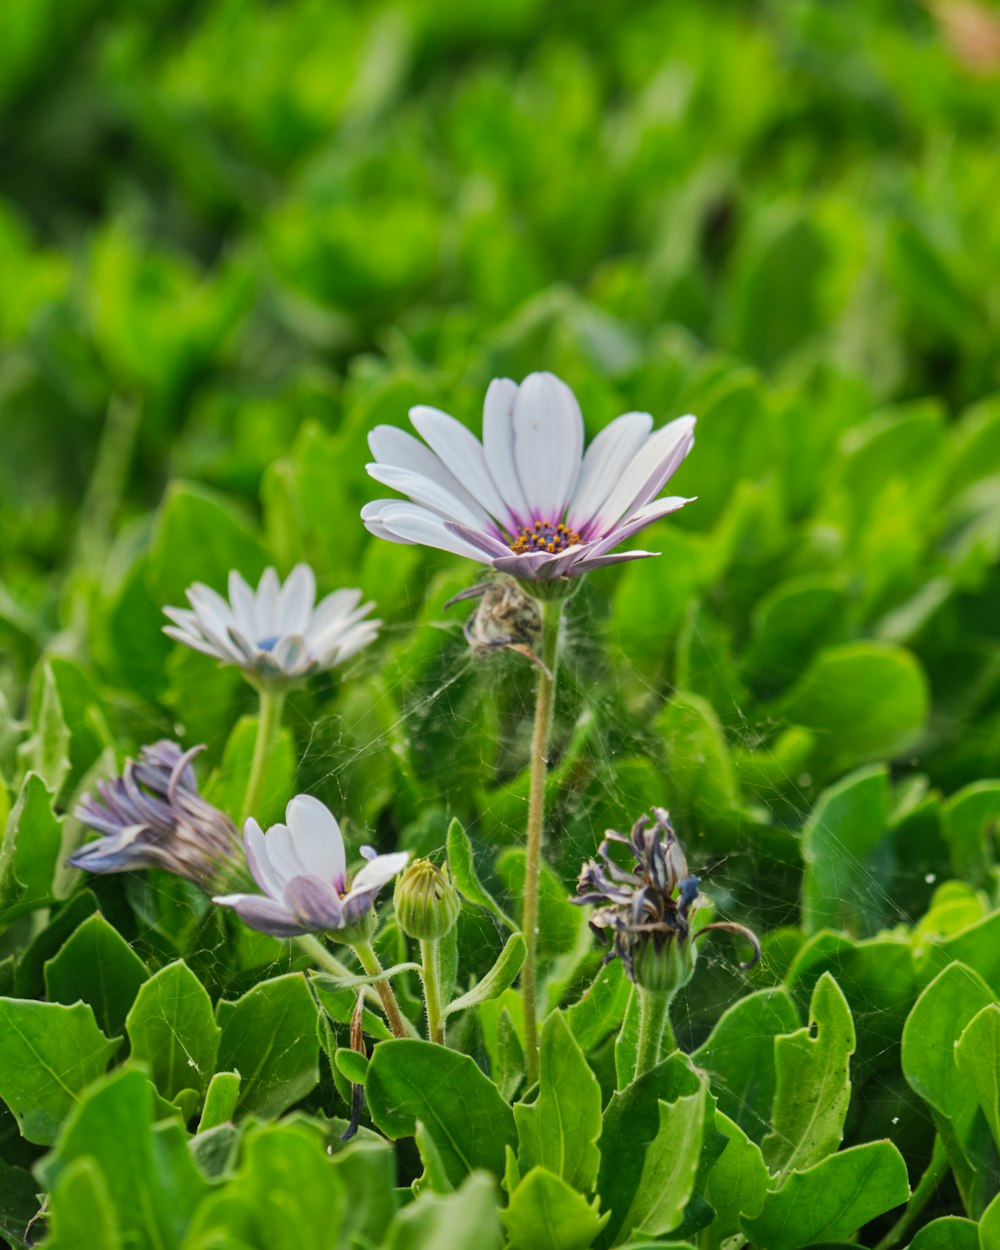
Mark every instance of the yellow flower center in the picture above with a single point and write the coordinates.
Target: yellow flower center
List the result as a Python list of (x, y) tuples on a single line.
[(545, 536)]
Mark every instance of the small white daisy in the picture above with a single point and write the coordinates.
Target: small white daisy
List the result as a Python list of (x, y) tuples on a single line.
[(277, 632), (302, 868), (526, 500)]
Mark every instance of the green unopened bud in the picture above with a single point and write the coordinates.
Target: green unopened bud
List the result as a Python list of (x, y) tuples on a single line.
[(427, 904), (663, 968)]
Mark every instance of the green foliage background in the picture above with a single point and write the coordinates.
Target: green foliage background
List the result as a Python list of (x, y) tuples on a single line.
[(234, 235)]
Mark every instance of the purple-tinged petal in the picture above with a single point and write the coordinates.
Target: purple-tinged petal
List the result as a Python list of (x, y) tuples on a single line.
[(498, 446), (606, 460), (650, 469), (548, 443), (416, 524), (639, 521), (262, 914), (376, 872), (392, 446), (314, 903), (462, 453), (427, 493), (478, 538), (317, 837)]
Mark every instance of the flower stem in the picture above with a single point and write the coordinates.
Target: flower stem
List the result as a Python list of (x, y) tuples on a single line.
[(923, 1193), (372, 965), (322, 957), (272, 702), (432, 989), (552, 610), (654, 1027)]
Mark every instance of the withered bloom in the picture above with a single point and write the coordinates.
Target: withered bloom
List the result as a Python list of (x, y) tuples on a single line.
[(648, 910), (152, 816)]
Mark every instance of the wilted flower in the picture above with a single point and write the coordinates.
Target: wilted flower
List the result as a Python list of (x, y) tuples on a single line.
[(302, 868), (278, 632), (152, 816), (526, 500), (648, 910)]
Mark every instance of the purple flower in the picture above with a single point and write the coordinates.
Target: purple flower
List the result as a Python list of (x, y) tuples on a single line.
[(647, 909), (152, 816), (526, 500), (278, 632), (302, 868)]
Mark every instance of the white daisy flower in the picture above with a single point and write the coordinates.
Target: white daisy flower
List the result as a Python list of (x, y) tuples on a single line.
[(277, 632), (302, 868), (526, 500)]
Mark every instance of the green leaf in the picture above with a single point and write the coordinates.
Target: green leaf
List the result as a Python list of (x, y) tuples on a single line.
[(509, 1073), (96, 965), (368, 1168), (340, 1003), (435, 1176), (931, 1035), (737, 1184), (600, 1009), (633, 1120), (151, 1178), (739, 1056), (500, 976), (221, 1099), (351, 1065), (978, 1057), (172, 1030), (948, 1233), (269, 1037), (48, 1053), (989, 1226), (699, 773), (463, 872), (544, 1213), (559, 1130), (813, 1086), (81, 1212), (286, 1195), (971, 820), (839, 890), (865, 700), (670, 1168), (30, 850), (47, 750), (831, 1200), (461, 1109), (465, 1220)]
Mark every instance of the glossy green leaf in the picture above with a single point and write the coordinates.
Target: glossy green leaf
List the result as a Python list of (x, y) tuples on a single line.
[(96, 965), (839, 890), (634, 1120), (82, 1214), (151, 1177), (221, 1099), (739, 1056), (559, 1130), (464, 1220), (29, 851), (269, 1037), (460, 1108), (500, 976), (737, 1184), (545, 1213), (832, 1199), (948, 1233), (600, 1009), (700, 775), (172, 1029), (813, 1084), (48, 1054), (463, 872), (978, 1057)]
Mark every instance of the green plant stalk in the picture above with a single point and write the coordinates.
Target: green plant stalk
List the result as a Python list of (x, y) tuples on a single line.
[(432, 988), (654, 1027), (372, 965), (272, 703), (321, 957), (552, 610), (920, 1197)]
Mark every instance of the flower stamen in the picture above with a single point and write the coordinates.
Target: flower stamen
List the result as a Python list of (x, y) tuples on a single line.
[(547, 536)]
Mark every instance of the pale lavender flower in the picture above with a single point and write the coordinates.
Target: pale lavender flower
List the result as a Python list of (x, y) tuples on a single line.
[(302, 868), (152, 816), (526, 500), (278, 632)]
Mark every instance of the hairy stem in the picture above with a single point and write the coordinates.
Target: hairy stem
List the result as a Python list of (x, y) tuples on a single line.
[(552, 610), (321, 957), (654, 1026), (272, 702), (432, 989), (372, 965), (920, 1197)]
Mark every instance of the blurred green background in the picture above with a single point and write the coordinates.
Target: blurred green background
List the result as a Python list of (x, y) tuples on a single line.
[(236, 234)]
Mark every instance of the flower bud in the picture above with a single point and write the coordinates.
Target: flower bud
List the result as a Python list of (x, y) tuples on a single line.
[(663, 967), (427, 904)]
